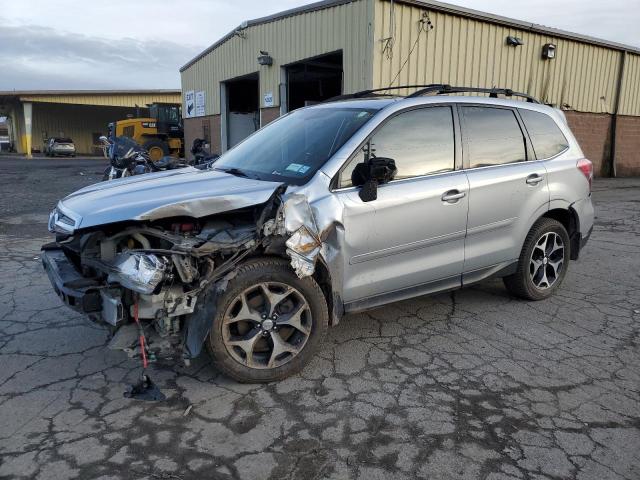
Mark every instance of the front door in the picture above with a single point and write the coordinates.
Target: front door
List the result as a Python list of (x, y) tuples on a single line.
[(412, 235)]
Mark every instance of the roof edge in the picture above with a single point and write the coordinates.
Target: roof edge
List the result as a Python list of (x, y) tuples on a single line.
[(519, 24), (89, 92), (312, 7), (433, 5)]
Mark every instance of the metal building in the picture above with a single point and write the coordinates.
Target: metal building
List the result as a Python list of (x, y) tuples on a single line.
[(82, 115), (269, 66)]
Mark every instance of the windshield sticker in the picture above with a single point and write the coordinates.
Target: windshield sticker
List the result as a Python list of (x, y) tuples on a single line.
[(298, 168)]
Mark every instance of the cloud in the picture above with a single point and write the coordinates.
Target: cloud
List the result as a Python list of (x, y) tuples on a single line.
[(143, 44), (36, 57)]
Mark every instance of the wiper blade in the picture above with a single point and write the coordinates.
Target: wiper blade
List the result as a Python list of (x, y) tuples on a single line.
[(233, 171)]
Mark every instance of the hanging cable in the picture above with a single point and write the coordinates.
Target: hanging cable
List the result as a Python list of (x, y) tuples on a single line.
[(424, 25)]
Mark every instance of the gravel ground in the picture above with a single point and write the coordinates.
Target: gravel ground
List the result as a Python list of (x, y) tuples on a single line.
[(463, 385)]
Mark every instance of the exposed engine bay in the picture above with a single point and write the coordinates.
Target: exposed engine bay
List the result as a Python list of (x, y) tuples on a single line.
[(154, 279)]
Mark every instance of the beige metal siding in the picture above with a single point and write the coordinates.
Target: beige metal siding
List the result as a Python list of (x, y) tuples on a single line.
[(630, 96), (345, 27), (76, 121), (115, 100), (469, 52)]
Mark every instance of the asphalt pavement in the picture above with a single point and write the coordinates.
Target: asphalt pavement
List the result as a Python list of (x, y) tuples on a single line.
[(463, 385)]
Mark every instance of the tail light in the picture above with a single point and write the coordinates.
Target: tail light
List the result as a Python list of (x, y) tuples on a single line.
[(586, 167)]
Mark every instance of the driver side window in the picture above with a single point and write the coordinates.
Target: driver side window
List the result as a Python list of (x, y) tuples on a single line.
[(420, 141)]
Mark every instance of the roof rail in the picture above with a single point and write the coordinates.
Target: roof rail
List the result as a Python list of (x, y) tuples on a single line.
[(437, 89), (493, 92), (371, 92)]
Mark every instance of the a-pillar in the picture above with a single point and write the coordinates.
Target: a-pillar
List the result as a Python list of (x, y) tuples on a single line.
[(26, 140)]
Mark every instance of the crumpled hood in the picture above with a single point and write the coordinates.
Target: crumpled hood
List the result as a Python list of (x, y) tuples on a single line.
[(186, 191)]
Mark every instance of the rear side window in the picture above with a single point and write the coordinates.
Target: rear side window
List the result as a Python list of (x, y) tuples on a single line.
[(420, 141), (493, 136), (547, 139)]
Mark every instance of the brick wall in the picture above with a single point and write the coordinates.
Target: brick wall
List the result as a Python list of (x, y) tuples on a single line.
[(593, 132), (202, 127), (628, 146), (268, 115)]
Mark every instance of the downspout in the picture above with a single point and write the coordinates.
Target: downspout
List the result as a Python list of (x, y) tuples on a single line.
[(614, 121)]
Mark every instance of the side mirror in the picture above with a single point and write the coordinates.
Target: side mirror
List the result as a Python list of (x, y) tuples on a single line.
[(371, 174)]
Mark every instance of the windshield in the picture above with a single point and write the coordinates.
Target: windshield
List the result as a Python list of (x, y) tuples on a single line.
[(294, 147)]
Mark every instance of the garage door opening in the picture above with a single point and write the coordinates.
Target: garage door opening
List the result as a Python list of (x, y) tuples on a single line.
[(314, 80), (243, 108)]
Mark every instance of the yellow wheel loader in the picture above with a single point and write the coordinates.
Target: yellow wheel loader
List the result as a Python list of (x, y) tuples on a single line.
[(161, 133)]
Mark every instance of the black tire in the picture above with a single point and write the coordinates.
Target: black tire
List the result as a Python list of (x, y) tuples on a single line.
[(521, 284), (253, 273), (153, 145)]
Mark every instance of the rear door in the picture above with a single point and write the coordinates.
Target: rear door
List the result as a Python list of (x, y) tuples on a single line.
[(413, 234), (508, 188)]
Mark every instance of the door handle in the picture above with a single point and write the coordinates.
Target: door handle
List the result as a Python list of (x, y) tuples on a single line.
[(534, 179), (452, 196)]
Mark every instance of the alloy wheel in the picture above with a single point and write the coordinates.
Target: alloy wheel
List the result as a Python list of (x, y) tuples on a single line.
[(547, 260), (266, 325)]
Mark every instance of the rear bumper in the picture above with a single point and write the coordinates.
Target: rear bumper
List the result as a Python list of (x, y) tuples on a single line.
[(585, 238), (80, 293), (584, 209)]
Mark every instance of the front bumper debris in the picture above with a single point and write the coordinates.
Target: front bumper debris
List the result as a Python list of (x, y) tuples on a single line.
[(80, 293)]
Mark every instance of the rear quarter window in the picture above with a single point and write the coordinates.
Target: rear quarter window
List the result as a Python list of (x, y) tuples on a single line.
[(546, 137)]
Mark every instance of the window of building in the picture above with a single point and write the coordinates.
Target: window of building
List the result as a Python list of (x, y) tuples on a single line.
[(547, 139), (493, 136), (420, 141)]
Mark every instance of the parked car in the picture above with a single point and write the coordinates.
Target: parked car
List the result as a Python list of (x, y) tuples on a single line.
[(59, 146), (334, 208)]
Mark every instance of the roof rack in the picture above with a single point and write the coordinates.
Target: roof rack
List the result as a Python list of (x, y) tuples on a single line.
[(437, 89), (375, 91), (493, 92)]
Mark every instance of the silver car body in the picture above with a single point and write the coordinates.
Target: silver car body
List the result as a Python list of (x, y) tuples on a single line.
[(407, 242)]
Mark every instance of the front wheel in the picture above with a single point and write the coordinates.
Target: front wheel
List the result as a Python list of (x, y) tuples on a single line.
[(543, 261), (156, 149), (268, 323)]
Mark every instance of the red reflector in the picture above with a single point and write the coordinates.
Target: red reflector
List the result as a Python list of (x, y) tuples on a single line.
[(586, 167)]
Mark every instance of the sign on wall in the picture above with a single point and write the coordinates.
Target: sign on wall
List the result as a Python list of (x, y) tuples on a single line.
[(268, 99), (189, 104), (200, 104)]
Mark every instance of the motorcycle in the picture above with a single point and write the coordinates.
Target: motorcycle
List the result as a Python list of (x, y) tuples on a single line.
[(127, 158)]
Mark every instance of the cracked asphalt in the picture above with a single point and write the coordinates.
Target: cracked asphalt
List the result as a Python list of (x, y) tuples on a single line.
[(464, 385)]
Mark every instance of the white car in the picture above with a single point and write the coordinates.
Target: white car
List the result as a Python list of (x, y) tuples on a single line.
[(59, 146)]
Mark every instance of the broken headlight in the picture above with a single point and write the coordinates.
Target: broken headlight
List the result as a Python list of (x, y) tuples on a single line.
[(140, 272), (303, 248), (60, 223)]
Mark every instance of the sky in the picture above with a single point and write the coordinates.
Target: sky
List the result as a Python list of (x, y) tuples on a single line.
[(85, 44)]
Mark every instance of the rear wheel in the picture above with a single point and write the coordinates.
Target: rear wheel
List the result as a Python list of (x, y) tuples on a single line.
[(543, 261), (269, 323), (156, 149)]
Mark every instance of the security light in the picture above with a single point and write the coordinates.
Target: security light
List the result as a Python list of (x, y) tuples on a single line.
[(548, 51), (514, 41), (265, 58)]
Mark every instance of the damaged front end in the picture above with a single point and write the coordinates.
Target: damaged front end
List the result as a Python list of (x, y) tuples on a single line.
[(160, 279)]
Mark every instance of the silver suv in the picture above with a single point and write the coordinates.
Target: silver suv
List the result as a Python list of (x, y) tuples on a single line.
[(331, 209)]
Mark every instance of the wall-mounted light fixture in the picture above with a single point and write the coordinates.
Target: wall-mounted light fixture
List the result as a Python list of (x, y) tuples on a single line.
[(548, 51), (514, 41), (265, 59)]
